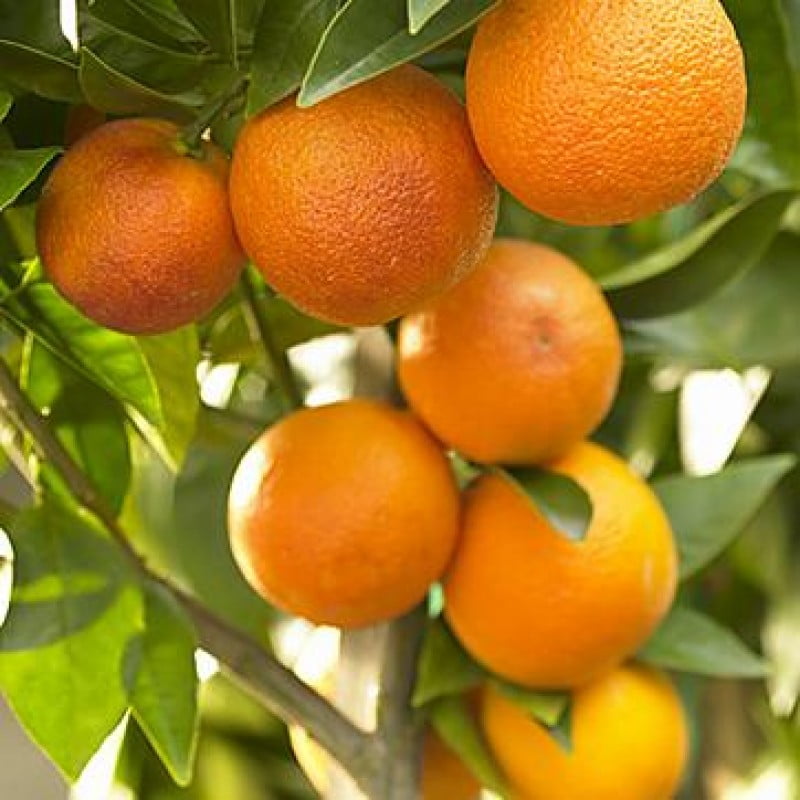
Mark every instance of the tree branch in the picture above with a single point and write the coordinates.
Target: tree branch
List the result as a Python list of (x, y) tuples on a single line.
[(263, 676)]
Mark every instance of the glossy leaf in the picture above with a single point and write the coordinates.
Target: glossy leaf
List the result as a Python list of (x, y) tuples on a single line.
[(753, 320), (6, 101), (444, 667), (707, 513), (770, 146), (457, 727), (166, 15), (689, 641), (20, 168), (285, 40), (365, 40), (561, 500), (164, 694), (692, 269), (420, 12), (545, 707), (217, 21), (69, 694)]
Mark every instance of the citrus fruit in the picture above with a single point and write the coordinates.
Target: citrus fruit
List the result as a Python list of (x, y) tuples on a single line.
[(595, 112), (136, 232), (344, 514), (629, 741), (369, 203), (516, 363), (548, 612)]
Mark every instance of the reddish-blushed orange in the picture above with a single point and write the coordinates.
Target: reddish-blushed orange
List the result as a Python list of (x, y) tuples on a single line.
[(597, 112), (629, 741), (366, 205), (518, 362), (136, 232), (549, 612), (344, 514)]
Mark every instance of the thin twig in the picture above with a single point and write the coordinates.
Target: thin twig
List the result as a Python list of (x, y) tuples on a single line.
[(267, 679), (276, 356)]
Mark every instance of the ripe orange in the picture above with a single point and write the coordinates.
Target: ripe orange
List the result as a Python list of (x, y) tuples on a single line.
[(137, 233), (595, 112), (366, 205), (629, 742), (344, 514), (548, 612), (518, 362)]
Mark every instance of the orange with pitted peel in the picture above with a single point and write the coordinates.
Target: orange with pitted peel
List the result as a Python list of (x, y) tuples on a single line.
[(549, 612), (597, 112), (518, 362), (629, 740), (135, 231), (366, 205), (344, 514)]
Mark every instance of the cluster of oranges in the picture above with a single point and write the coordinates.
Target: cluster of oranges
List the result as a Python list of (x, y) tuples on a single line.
[(380, 203)]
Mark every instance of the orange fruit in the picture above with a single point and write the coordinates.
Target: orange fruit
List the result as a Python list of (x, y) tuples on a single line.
[(369, 203), (595, 112), (344, 514), (629, 742), (137, 233), (548, 612), (518, 362)]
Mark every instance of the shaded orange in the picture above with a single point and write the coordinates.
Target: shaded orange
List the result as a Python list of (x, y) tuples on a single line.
[(548, 612), (366, 205), (344, 514), (518, 362), (597, 112), (136, 233), (629, 742)]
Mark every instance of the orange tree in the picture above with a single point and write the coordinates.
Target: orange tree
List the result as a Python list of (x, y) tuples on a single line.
[(362, 190)]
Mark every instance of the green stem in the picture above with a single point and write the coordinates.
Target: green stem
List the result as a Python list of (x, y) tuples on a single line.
[(222, 104), (276, 356)]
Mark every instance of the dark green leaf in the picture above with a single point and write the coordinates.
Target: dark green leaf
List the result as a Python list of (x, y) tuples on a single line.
[(444, 667), (545, 707), (164, 695), (365, 40), (770, 146), (165, 14), (753, 320), (420, 12), (560, 499), (6, 101), (707, 513), (457, 727), (70, 693), (19, 168), (688, 641), (692, 269), (216, 20), (33, 51), (109, 90), (286, 38)]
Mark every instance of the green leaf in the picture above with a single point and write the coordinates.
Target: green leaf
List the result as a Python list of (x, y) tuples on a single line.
[(167, 17), (109, 90), (444, 668), (20, 168), (286, 38), (688, 641), (561, 731), (70, 693), (6, 101), (87, 420), (545, 707), (164, 695), (458, 729), (217, 21), (365, 40), (753, 320), (33, 51), (770, 146), (172, 360), (692, 269), (562, 501), (420, 13), (707, 513)]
